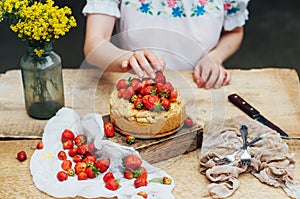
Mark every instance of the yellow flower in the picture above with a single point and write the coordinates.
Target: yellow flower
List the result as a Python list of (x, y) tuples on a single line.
[(39, 52)]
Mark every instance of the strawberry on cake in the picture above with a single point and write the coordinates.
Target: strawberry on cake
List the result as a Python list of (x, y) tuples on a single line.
[(146, 108)]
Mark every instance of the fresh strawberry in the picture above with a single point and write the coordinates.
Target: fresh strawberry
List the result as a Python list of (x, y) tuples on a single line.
[(138, 104), (66, 164), (143, 194), (108, 176), (71, 172), (92, 171), (68, 144), (21, 156), (130, 139), (40, 145), (112, 184), (82, 149), (149, 101), (133, 161), (147, 82), (140, 181), (148, 90), (141, 171), (161, 90), (133, 98), (82, 176), (169, 86), (62, 176), (77, 158), (90, 160), (122, 83), (109, 129), (120, 92), (188, 122), (80, 139), (173, 96), (136, 84), (128, 93), (72, 152), (62, 155), (67, 135), (80, 167), (102, 164), (160, 78), (165, 103), (128, 174), (91, 148)]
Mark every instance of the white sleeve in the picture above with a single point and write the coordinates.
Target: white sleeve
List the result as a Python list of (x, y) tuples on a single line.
[(236, 13), (108, 7)]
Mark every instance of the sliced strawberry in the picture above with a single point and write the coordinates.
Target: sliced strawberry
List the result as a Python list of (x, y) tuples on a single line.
[(128, 93), (160, 78)]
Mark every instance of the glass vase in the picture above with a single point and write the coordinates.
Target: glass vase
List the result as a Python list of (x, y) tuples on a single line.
[(42, 82)]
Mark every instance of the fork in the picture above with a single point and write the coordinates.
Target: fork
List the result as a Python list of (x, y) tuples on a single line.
[(245, 157)]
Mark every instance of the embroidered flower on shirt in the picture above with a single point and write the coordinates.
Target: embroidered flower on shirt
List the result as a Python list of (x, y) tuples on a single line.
[(231, 6), (175, 8)]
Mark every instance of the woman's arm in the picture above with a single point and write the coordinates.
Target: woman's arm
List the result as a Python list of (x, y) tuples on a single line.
[(209, 72), (99, 51)]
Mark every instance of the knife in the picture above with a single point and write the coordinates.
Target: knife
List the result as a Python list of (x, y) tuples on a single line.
[(255, 114)]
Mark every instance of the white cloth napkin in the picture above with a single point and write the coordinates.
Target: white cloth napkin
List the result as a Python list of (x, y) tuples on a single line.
[(44, 163)]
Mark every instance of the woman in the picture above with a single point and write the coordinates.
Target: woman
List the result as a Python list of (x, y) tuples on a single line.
[(176, 34)]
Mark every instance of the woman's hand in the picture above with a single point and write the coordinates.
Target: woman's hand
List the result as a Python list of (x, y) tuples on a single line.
[(209, 73), (144, 60)]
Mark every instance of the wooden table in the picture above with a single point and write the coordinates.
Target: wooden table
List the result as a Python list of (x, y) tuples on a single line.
[(275, 92)]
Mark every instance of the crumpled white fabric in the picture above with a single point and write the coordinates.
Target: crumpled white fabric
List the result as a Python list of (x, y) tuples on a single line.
[(44, 163)]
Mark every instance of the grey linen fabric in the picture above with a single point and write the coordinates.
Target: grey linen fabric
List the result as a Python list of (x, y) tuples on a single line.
[(271, 161)]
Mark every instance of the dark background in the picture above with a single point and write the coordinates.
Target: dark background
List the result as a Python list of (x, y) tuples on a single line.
[(272, 38)]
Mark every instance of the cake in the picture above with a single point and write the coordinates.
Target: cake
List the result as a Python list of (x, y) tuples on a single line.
[(146, 108)]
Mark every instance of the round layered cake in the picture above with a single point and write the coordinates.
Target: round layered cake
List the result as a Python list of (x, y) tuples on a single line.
[(146, 108)]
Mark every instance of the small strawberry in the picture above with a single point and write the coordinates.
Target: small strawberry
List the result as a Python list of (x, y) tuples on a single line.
[(112, 184), (62, 176), (164, 180), (77, 158), (71, 172), (160, 78), (147, 82), (165, 103), (21, 156), (90, 160), (120, 92), (138, 104), (80, 139), (148, 90), (62, 155), (173, 96), (72, 152), (188, 122), (161, 90), (130, 139), (103, 164), (169, 86), (80, 167), (128, 93), (143, 194), (140, 181), (92, 172), (109, 129), (133, 98), (82, 176), (67, 135), (136, 84), (68, 144), (128, 174), (141, 171), (66, 164), (149, 101), (82, 149), (122, 83), (133, 161), (108, 176), (91, 148), (40, 145)]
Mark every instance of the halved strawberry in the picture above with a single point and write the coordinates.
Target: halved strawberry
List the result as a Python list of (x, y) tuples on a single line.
[(128, 93), (160, 78), (122, 83)]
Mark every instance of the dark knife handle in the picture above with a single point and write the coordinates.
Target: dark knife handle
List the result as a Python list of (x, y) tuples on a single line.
[(243, 105)]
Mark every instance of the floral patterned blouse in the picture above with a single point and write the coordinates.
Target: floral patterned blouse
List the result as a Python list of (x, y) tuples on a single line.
[(182, 31)]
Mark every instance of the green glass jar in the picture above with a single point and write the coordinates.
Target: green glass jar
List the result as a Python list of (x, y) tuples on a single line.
[(42, 82)]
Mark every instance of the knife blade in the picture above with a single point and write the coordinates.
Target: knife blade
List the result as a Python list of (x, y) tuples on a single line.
[(255, 114)]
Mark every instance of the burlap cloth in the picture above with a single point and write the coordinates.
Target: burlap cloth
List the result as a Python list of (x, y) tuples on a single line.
[(271, 161)]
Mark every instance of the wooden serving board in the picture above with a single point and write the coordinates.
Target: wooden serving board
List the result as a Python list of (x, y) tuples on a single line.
[(158, 149)]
